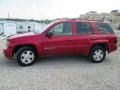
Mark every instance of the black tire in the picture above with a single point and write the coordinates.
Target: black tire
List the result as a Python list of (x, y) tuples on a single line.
[(22, 51), (94, 58)]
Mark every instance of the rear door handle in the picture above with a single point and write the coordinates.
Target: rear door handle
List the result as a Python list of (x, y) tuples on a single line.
[(69, 40)]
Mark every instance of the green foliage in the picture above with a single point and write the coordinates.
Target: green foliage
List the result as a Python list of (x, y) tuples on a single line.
[(46, 21)]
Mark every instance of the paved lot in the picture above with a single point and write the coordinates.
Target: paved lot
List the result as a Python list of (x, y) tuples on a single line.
[(61, 73)]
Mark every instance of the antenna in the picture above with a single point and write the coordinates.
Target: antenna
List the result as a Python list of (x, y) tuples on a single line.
[(8, 15)]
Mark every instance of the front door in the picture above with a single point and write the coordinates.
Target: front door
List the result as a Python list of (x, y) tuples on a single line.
[(62, 40)]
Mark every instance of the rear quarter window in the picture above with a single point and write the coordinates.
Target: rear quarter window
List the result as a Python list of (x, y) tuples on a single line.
[(104, 28)]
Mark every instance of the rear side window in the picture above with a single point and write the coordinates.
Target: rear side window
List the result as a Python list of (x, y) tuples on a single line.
[(83, 28), (104, 28)]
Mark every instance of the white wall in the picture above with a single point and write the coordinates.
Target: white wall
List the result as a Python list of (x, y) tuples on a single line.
[(13, 27), (9, 28), (33, 26), (38, 26), (1, 28)]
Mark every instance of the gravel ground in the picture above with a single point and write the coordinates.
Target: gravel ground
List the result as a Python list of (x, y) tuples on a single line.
[(61, 73)]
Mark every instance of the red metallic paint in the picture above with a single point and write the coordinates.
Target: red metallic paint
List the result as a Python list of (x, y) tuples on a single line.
[(62, 45)]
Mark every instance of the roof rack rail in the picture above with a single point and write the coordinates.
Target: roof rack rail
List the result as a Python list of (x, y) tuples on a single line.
[(96, 20), (87, 19), (81, 19)]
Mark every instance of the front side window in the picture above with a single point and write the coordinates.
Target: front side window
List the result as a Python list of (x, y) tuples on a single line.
[(83, 28), (104, 28), (62, 29)]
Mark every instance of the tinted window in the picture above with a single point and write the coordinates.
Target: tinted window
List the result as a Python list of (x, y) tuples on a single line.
[(104, 28), (62, 29), (83, 28)]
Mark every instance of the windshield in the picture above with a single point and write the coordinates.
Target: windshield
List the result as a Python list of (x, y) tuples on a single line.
[(44, 28)]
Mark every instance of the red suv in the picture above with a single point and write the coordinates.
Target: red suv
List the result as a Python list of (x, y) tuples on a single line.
[(63, 37)]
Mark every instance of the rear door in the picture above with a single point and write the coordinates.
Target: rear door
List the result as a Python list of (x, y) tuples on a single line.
[(83, 36), (62, 41)]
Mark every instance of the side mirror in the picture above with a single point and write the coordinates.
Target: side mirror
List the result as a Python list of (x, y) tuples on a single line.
[(49, 34)]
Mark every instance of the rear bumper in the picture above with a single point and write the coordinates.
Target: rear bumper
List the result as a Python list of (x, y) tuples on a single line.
[(112, 48), (8, 53)]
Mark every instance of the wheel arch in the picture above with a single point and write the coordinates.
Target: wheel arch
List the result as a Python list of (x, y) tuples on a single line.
[(17, 47), (104, 45)]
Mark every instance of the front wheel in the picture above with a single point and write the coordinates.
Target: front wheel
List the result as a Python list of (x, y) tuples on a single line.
[(26, 56), (97, 54)]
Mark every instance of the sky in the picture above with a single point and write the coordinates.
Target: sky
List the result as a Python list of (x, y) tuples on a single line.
[(51, 9)]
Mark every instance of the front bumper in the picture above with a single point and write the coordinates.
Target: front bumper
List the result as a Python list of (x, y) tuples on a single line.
[(8, 53)]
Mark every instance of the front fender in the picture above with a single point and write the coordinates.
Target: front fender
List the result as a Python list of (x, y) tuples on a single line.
[(38, 46)]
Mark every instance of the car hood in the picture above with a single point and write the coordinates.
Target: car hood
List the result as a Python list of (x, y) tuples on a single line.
[(20, 35)]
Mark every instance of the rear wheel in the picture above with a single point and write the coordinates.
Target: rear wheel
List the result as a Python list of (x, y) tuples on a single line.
[(26, 56), (97, 54)]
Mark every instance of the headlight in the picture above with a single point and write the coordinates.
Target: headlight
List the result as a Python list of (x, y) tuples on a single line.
[(7, 43)]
